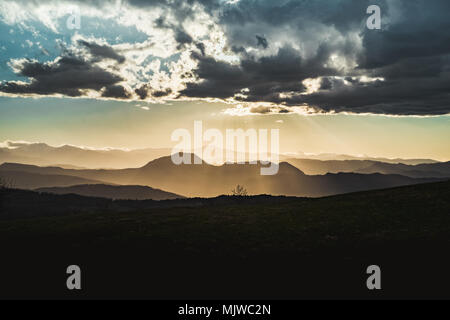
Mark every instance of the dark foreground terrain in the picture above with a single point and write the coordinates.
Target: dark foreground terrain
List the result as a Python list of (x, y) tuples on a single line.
[(228, 247)]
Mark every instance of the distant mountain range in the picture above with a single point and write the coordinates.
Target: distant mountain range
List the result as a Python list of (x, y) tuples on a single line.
[(333, 156), (424, 170), (70, 156), (208, 181), (113, 192), (31, 180), (73, 157)]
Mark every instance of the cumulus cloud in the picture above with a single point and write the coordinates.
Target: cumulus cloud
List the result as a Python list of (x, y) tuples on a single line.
[(116, 91), (79, 71), (67, 75), (265, 56), (102, 51)]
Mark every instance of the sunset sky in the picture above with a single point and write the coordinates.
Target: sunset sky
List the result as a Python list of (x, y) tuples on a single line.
[(135, 71)]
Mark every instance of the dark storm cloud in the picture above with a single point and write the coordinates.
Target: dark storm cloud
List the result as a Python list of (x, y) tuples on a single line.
[(264, 78), (102, 51), (277, 17), (405, 97), (420, 29), (326, 84), (220, 79), (262, 41), (142, 91), (161, 93), (116, 91), (200, 46), (68, 75), (182, 37), (402, 69), (410, 54), (145, 91)]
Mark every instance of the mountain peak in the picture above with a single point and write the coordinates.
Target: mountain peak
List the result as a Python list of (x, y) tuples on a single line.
[(167, 160), (10, 165)]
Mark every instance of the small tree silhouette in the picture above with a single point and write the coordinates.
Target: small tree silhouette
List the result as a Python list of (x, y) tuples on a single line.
[(239, 191)]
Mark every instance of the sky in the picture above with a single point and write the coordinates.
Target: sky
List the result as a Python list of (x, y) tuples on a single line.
[(126, 74)]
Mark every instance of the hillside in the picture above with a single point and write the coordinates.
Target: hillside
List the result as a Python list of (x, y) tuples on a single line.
[(30, 180), (113, 192), (417, 171), (320, 167), (317, 167), (266, 247), (209, 181)]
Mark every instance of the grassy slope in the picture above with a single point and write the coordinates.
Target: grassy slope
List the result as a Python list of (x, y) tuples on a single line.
[(297, 247)]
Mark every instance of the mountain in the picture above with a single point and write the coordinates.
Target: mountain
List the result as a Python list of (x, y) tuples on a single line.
[(333, 156), (44, 155), (441, 169), (29, 180), (207, 181), (313, 166), (67, 166), (204, 180), (113, 192), (69, 156)]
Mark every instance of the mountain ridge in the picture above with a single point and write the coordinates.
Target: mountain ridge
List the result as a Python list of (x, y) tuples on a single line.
[(40, 153), (115, 192), (205, 180)]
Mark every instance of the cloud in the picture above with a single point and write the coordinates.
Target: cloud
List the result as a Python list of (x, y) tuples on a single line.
[(161, 93), (269, 56), (116, 91), (261, 109), (142, 91), (262, 41), (102, 51), (66, 75), (402, 69), (256, 79)]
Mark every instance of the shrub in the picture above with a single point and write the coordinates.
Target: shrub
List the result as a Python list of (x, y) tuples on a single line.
[(239, 191)]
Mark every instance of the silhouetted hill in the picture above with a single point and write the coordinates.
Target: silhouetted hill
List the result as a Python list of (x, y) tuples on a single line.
[(44, 155), (312, 166), (290, 181), (29, 180), (17, 203), (267, 247), (317, 167), (113, 192), (416, 171), (204, 180), (343, 157), (443, 167)]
